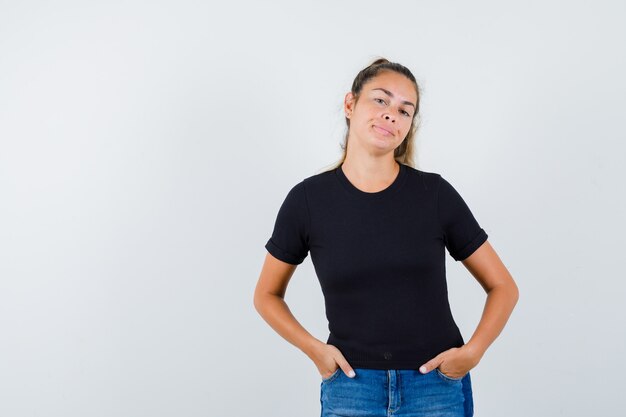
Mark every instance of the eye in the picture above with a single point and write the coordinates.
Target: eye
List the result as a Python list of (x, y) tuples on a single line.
[(380, 100)]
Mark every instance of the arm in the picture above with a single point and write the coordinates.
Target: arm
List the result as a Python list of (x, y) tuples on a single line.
[(502, 296), (269, 302)]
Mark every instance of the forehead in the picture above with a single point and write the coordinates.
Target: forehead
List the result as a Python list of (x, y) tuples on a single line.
[(397, 84)]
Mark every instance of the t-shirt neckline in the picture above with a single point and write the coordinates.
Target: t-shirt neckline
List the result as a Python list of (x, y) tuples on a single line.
[(349, 187)]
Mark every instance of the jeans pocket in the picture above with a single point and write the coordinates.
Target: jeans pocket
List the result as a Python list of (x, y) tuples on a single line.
[(446, 377), (332, 376)]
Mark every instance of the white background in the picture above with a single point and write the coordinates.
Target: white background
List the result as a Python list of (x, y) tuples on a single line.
[(146, 146)]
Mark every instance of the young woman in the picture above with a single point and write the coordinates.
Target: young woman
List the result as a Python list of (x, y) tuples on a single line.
[(377, 229)]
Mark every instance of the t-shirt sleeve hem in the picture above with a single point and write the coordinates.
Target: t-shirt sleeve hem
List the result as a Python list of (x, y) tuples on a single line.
[(480, 238), (280, 254)]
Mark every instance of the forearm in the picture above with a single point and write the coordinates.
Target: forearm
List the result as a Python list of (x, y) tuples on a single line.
[(277, 314), (498, 308)]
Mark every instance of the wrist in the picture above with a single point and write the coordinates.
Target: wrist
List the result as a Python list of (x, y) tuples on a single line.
[(311, 347), (474, 351)]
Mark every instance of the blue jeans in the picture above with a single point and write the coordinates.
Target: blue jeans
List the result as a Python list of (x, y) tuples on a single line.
[(396, 392)]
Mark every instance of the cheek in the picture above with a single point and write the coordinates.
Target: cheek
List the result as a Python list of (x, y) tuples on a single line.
[(405, 131)]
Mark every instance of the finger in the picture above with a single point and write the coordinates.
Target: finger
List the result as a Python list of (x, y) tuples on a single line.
[(345, 366), (430, 365)]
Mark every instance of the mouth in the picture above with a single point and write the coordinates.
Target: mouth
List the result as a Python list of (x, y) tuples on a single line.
[(382, 131)]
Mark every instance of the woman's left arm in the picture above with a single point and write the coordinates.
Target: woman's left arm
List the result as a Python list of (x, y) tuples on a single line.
[(502, 295)]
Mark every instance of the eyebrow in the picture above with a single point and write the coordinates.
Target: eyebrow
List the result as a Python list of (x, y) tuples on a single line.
[(390, 94)]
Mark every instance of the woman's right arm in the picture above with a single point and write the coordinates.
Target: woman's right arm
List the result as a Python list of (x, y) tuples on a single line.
[(269, 301)]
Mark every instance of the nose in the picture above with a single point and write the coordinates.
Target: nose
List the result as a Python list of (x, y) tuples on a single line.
[(388, 117)]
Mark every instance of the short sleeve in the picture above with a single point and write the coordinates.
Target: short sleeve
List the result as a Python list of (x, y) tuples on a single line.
[(462, 233), (290, 238)]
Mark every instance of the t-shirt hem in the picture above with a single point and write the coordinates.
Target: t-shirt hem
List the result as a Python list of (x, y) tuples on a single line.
[(384, 364)]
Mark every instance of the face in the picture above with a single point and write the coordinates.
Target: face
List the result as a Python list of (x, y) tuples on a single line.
[(382, 117)]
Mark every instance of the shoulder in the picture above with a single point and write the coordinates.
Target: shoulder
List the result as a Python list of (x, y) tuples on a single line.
[(317, 183), (426, 180), (299, 193), (434, 179), (320, 177)]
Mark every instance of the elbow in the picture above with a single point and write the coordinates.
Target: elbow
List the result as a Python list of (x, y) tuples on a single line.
[(256, 300), (260, 299), (510, 289), (514, 290)]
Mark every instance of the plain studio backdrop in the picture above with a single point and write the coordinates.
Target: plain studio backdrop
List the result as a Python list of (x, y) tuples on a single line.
[(145, 148)]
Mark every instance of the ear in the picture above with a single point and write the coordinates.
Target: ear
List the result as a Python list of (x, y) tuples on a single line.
[(348, 103)]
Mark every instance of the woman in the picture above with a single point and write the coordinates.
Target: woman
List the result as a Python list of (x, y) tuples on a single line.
[(377, 230)]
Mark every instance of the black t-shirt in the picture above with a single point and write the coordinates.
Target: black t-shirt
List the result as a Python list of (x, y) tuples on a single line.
[(380, 261)]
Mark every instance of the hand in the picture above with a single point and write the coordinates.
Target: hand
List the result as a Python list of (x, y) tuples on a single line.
[(328, 358), (455, 362)]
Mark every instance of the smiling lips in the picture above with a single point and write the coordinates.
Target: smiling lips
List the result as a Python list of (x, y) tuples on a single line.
[(382, 130)]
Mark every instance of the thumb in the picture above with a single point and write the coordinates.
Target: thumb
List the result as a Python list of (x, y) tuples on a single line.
[(345, 367), (430, 365)]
